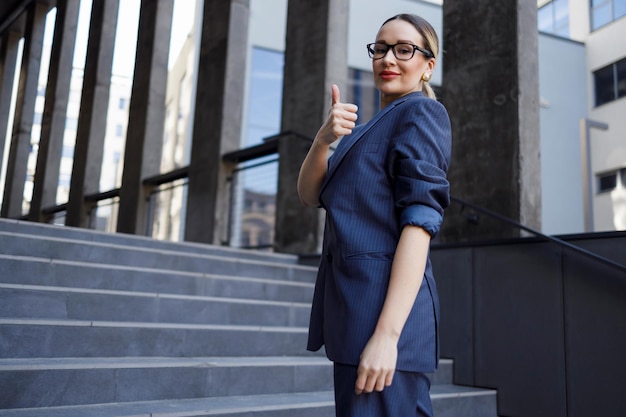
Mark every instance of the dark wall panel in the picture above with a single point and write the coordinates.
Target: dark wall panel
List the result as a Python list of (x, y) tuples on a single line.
[(519, 328), (543, 325), (595, 323)]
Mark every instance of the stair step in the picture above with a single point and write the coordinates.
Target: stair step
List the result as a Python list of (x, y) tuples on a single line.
[(63, 273), (468, 402), (77, 381), (95, 324), (33, 301), (32, 338), (461, 401), (313, 404), (88, 235), (19, 244)]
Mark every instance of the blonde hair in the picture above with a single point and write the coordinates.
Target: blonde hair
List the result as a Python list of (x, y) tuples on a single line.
[(431, 40)]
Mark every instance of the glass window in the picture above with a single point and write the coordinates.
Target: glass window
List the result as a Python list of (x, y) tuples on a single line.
[(604, 85), (553, 17), (363, 93), (601, 15), (545, 22), (620, 73), (265, 98), (71, 123), (607, 182), (623, 177), (619, 8), (561, 17), (610, 82), (68, 151), (606, 11)]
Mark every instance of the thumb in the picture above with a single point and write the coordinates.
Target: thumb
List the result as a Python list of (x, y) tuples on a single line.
[(335, 94)]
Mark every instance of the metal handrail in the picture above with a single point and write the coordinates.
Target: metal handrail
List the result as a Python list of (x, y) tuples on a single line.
[(537, 233)]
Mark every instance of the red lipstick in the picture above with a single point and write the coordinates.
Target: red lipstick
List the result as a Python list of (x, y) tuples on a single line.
[(388, 75)]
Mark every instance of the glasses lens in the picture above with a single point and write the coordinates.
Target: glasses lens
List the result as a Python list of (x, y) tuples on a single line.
[(403, 51), (377, 50)]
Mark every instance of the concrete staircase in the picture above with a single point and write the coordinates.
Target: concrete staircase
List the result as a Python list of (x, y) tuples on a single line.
[(95, 324)]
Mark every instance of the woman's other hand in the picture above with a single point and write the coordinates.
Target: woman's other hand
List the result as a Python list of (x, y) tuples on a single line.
[(377, 364)]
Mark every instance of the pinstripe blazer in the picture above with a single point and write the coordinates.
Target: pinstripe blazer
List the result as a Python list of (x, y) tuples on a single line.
[(390, 172)]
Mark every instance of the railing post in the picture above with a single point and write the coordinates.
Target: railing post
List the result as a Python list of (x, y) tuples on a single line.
[(217, 117), (144, 138), (94, 103), (55, 110), (24, 111)]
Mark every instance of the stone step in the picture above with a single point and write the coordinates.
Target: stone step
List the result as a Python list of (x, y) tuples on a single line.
[(20, 244), (122, 239), (53, 382), (448, 401), (309, 404), (46, 338), (32, 301), (78, 381), (61, 273)]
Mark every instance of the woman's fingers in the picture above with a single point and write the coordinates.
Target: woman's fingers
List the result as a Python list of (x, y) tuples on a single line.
[(369, 380)]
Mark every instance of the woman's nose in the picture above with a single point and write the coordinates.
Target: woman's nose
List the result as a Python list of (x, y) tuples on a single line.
[(389, 56)]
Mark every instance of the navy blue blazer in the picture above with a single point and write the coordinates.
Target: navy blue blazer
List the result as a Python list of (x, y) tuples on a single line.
[(390, 172)]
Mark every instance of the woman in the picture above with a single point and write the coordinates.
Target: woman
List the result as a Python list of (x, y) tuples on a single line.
[(375, 307)]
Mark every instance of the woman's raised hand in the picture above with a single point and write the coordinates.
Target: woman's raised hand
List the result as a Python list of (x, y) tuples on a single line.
[(341, 119)]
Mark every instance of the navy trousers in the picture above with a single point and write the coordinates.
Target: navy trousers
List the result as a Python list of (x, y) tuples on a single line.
[(408, 396)]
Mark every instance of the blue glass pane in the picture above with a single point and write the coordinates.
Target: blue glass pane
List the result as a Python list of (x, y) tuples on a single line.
[(619, 8), (601, 16), (561, 9), (545, 19), (265, 98), (561, 17)]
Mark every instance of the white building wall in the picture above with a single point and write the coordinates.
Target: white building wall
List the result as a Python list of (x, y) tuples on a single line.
[(608, 148), (563, 104)]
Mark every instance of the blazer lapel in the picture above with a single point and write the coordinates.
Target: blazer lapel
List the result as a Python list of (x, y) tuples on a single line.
[(348, 141)]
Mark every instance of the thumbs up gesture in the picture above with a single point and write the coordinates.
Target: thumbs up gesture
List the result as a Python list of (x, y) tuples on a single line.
[(341, 119)]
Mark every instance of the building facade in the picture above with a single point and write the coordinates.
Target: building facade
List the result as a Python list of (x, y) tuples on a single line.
[(582, 78)]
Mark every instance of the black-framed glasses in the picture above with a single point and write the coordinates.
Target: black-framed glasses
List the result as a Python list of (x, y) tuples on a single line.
[(402, 51)]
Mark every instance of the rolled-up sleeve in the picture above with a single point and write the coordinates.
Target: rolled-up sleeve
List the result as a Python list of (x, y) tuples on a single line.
[(418, 162)]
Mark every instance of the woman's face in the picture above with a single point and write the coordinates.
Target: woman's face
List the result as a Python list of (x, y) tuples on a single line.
[(395, 78)]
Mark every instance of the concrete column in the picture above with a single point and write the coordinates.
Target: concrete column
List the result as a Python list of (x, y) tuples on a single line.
[(315, 58), (217, 117), (55, 109), (24, 111), (8, 62), (144, 138), (94, 104), (491, 90)]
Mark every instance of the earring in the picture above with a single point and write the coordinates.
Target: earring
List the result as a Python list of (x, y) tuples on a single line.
[(426, 76)]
